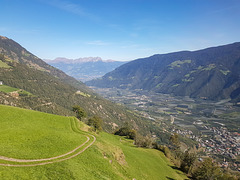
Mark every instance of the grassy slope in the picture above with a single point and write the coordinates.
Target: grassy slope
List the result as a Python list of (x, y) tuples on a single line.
[(110, 157), (30, 134), (4, 65), (7, 89)]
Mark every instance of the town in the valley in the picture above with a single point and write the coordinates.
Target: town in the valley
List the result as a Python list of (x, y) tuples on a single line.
[(214, 126)]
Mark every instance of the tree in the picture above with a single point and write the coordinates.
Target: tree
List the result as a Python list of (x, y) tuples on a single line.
[(123, 131), (2, 57), (175, 141), (207, 170), (142, 141), (126, 131), (95, 122), (80, 112), (187, 161), (166, 152), (132, 134)]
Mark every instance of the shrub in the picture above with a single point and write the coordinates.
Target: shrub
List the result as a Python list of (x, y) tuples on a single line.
[(95, 122), (80, 112), (187, 161), (167, 152), (142, 141), (126, 131)]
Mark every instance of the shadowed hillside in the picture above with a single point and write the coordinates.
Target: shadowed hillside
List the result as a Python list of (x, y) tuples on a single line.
[(212, 73)]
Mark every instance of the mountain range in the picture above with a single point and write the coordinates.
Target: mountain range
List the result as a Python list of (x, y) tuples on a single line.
[(212, 73), (85, 69)]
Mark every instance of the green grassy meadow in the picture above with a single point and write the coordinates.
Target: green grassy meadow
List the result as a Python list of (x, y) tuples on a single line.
[(4, 65), (31, 135), (27, 134), (7, 89)]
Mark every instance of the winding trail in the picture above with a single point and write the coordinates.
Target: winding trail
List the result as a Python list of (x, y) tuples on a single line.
[(51, 160), (47, 159)]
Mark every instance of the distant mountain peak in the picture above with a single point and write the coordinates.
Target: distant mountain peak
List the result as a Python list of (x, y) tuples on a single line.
[(77, 61), (86, 68)]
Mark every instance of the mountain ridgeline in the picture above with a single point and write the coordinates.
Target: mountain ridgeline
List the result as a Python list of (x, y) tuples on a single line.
[(51, 90), (212, 73), (85, 69)]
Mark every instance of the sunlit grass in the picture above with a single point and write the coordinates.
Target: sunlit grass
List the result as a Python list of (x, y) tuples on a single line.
[(31, 134), (7, 89)]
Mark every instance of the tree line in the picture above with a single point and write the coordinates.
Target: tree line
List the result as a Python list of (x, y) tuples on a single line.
[(186, 161)]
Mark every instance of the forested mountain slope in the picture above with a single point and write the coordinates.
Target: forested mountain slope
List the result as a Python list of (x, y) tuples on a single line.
[(212, 73)]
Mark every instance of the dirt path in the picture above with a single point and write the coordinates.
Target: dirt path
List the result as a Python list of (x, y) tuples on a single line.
[(49, 160)]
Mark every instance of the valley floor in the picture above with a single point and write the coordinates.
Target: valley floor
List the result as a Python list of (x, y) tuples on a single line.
[(212, 126)]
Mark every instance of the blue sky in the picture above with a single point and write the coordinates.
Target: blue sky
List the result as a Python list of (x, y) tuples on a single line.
[(118, 29)]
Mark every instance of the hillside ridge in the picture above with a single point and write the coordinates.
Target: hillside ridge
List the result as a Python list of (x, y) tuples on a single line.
[(211, 73)]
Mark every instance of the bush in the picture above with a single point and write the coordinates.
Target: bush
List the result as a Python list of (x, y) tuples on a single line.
[(187, 161), (167, 152), (132, 134), (126, 131), (95, 122), (142, 141), (80, 112), (208, 170)]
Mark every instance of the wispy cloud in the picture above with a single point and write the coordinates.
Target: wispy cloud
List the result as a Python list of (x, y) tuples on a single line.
[(71, 7), (225, 9), (98, 43)]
